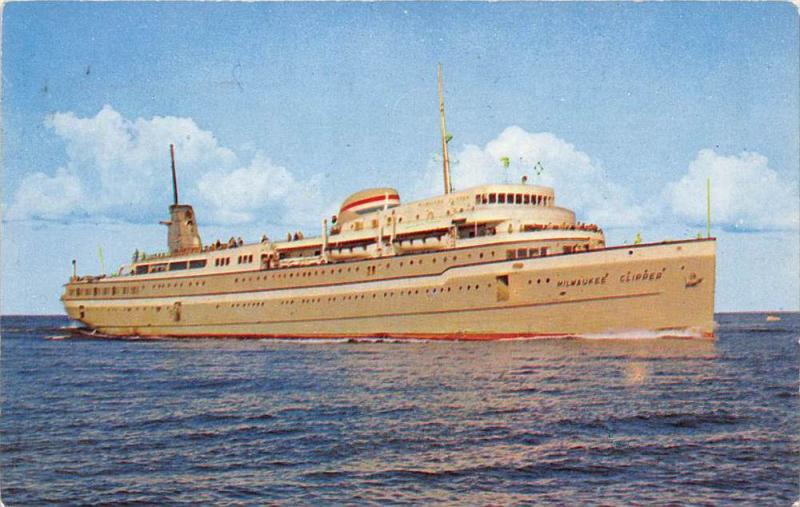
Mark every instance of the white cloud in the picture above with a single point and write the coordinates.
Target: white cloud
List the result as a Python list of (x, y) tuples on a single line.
[(746, 193), (51, 197), (237, 194), (579, 182), (119, 169)]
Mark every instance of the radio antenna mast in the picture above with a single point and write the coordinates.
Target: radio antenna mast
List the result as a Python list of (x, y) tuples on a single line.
[(446, 161), (174, 178)]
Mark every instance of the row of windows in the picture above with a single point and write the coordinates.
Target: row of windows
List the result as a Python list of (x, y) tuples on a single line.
[(128, 290), (245, 259), (388, 294), (351, 297), (370, 270), (492, 198), (525, 199), (143, 269), (359, 224), (104, 291), (222, 261), (522, 253), (519, 253)]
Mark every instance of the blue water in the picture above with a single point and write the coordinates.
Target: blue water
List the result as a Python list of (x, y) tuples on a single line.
[(556, 422)]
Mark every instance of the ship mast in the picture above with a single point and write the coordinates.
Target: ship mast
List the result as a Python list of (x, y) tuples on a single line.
[(446, 159), (174, 178)]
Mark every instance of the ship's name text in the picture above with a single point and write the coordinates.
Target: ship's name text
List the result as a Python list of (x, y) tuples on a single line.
[(596, 280), (642, 276)]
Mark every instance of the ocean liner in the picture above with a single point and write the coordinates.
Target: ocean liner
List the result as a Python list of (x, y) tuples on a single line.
[(490, 262)]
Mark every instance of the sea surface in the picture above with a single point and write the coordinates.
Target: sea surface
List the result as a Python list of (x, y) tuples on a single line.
[(542, 422)]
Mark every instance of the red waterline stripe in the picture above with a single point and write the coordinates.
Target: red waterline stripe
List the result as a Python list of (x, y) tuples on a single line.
[(382, 336)]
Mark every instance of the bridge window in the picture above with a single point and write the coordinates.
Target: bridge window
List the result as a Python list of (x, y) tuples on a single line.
[(176, 266), (501, 198), (492, 198), (526, 199), (519, 199), (199, 263)]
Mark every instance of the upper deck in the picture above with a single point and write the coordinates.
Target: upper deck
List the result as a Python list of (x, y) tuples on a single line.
[(373, 223)]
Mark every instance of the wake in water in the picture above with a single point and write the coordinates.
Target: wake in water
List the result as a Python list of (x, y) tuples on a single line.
[(84, 334), (58, 337), (346, 340), (641, 334)]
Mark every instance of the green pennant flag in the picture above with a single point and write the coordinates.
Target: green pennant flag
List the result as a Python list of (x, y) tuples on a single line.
[(102, 259)]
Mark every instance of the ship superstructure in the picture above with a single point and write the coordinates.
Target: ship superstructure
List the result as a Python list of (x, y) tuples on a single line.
[(493, 261)]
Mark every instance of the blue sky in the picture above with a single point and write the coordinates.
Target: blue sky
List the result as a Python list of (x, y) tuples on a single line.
[(281, 110)]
